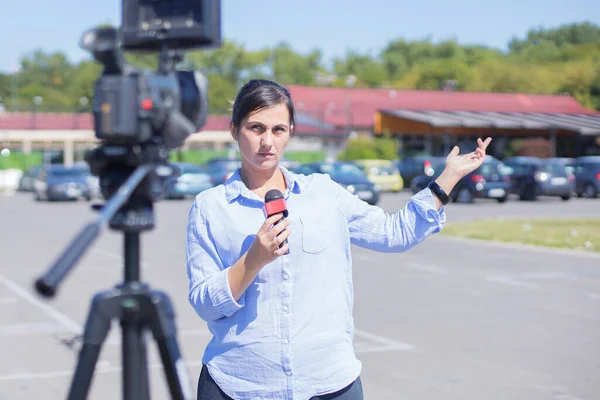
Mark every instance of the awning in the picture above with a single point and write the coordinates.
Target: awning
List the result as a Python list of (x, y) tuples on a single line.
[(585, 124)]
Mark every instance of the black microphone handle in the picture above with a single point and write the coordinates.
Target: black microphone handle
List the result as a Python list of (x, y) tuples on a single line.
[(285, 241)]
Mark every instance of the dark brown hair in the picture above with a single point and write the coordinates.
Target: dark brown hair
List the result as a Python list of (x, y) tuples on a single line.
[(258, 94)]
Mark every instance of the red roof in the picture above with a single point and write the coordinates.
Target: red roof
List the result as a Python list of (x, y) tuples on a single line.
[(357, 107), (55, 121)]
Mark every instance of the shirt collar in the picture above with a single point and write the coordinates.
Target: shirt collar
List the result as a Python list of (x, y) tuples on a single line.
[(235, 187)]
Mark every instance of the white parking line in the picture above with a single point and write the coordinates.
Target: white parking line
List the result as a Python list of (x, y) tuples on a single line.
[(115, 336), (100, 369), (382, 344), (388, 344), (59, 317), (426, 268)]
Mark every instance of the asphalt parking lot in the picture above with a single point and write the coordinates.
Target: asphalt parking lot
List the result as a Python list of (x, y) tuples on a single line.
[(450, 319)]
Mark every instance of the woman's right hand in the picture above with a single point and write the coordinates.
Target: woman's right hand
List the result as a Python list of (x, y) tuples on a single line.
[(265, 247)]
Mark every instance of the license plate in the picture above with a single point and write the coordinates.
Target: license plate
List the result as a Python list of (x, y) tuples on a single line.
[(558, 181), (364, 194), (496, 193), (73, 192)]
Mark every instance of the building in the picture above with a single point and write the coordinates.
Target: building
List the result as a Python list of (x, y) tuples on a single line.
[(424, 121), (433, 121)]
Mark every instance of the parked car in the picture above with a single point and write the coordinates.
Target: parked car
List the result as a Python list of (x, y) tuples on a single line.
[(290, 165), (27, 179), (192, 180), (568, 162), (92, 180), (57, 182), (348, 176), (413, 166), (382, 173), (532, 177), (220, 169), (587, 176), (488, 181)]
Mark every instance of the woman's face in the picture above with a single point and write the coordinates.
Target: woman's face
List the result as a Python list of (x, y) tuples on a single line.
[(263, 136)]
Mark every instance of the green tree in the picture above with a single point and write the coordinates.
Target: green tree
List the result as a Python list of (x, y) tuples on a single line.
[(577, 81), (368, 70), (576, 33), (288, 67), (5, 88)]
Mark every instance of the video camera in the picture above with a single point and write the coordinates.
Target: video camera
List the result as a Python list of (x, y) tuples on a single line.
[(132, 106), (138, 116)]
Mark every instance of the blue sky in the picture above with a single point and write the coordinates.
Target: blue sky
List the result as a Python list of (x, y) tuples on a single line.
[(332, 25)]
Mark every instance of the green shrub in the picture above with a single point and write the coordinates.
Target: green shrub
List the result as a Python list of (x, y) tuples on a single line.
[(370, 148), (20, 160)]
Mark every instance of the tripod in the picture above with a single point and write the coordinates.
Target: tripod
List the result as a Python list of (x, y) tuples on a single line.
[(132, 302)]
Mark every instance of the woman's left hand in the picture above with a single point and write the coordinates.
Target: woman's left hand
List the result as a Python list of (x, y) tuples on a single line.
[(462, 165)]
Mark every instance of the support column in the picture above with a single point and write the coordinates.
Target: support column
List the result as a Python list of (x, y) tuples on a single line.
[(27, 146), (552, 142), (429, 141), (69, 153), (447, 138)]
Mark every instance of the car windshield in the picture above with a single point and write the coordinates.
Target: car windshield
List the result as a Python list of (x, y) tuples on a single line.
[(488, 169), (65, 172), (342, 170), (225, 165), (553, 168), (190, 169), (380, 170), (521, 168)]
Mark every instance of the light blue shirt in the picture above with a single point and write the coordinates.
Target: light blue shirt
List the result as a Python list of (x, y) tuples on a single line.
[(290, 335)]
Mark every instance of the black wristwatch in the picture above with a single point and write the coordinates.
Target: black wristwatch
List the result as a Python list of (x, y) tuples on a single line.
[(439, 192)]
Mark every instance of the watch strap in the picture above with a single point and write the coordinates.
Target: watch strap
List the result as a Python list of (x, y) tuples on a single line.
[(439, 192)]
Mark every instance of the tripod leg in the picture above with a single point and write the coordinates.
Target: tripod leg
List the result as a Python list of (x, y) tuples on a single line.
[(164, 330), (134, 359), (96, 329)]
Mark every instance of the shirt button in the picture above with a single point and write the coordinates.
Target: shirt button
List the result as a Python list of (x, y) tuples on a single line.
[(286, 341), (286, 277), (288, 373), (285, 308)]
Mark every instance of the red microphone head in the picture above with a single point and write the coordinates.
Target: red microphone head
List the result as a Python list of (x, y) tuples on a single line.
[(275, 203)]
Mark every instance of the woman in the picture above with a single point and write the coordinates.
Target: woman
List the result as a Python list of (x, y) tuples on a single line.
[(281, 312)]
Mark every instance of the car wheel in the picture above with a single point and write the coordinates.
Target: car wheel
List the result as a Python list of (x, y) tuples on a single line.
[(502, 199), (590, 191), (565, 198), (464, 196)]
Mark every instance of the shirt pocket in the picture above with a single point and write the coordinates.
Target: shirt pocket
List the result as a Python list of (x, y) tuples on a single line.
[(316, 234)]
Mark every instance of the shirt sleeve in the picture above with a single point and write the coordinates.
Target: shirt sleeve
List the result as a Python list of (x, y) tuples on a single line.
[(209, 290), (373, 228)]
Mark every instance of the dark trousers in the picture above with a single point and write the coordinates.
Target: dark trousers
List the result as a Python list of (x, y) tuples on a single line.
[(209, 390)]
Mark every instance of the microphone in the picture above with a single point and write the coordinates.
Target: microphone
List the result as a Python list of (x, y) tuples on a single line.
[(274, 204)]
